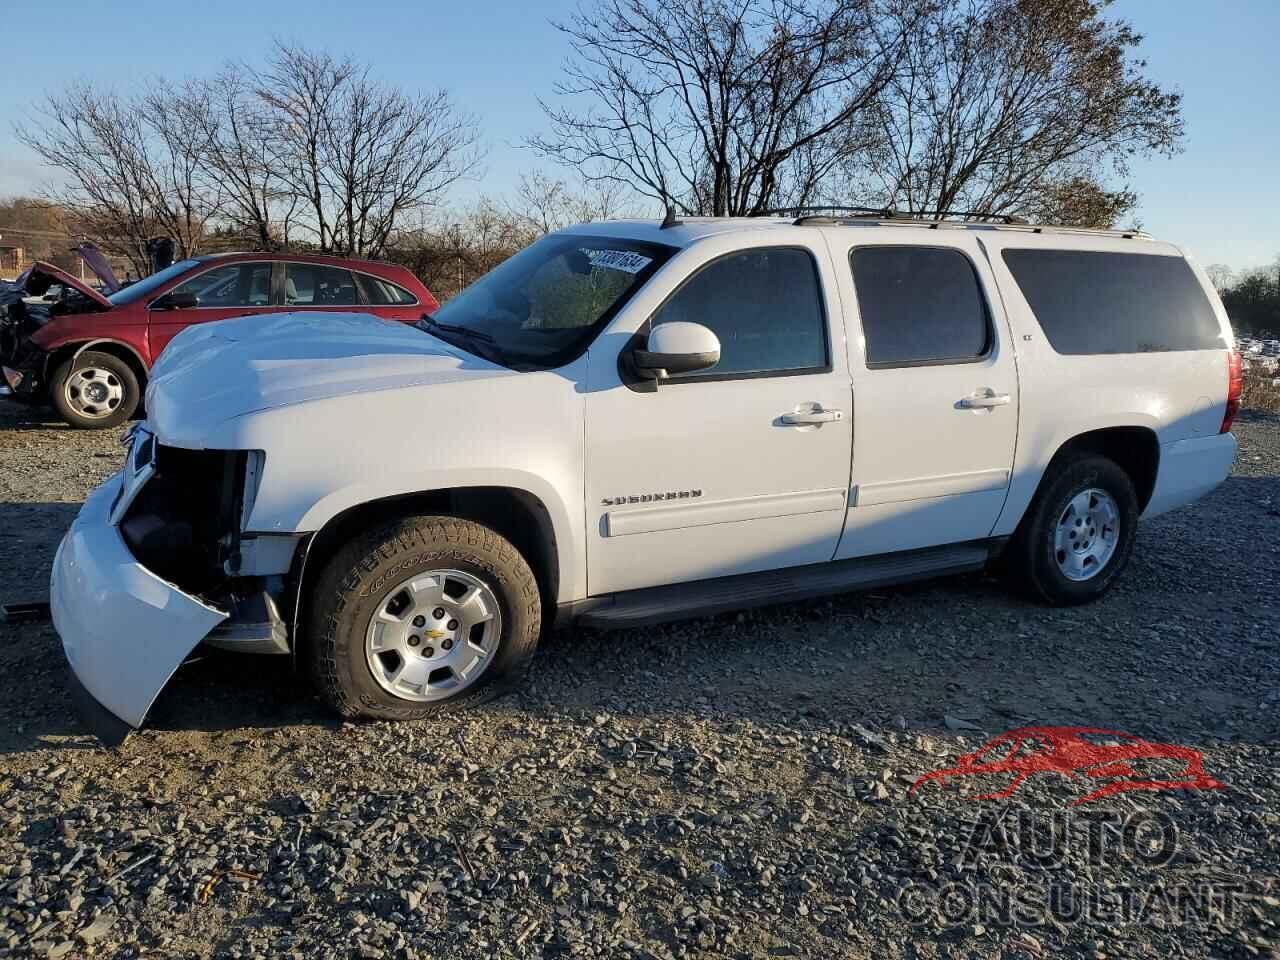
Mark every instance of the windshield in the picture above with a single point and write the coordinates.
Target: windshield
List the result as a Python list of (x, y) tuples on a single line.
[(147, 285), (542, 307)]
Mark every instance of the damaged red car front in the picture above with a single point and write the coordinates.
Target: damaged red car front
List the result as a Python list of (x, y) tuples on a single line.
[(26, 307)]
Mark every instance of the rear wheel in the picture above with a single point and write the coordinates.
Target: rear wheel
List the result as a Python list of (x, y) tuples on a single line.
[(421, 617), (1078, 532), (95, 390)]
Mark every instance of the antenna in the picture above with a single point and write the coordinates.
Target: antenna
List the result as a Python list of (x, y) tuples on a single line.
[(670, 219)]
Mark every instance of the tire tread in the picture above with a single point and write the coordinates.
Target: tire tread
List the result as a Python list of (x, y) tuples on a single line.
[(346, 579)]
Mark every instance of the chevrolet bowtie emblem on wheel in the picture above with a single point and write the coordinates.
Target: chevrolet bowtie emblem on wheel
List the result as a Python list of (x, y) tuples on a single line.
[(650, 497), (437, 634)]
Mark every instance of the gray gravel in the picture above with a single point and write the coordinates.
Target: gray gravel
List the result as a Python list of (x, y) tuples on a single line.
[(726, 787)]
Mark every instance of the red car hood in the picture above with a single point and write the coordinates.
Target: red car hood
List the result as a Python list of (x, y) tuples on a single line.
[(40, 276)]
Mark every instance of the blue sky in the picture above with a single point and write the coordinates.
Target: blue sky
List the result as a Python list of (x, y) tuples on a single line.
[(1220, 198)]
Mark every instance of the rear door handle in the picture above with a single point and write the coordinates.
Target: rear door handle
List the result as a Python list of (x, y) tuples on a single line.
[(983, 399), (808, 414)]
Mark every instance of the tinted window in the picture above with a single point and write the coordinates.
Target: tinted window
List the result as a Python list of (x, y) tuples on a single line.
[(315, 285), (1088, 302), (919, 305), (233, 285), (384, 293), (764, 305)]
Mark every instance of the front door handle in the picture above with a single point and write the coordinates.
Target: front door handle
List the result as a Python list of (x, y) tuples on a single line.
[(983, 400), (808, 414)]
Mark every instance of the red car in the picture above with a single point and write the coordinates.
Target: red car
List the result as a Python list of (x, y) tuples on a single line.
[(1115, 762), (88, 353)]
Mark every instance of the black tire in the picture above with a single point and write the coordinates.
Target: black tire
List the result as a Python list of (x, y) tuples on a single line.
[(115, 372), (352, 587), (1030, 559)]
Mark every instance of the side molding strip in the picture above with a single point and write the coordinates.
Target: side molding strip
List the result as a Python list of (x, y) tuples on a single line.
[(923, 488), (621, 523)]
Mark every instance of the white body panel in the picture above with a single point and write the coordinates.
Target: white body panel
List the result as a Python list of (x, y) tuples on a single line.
[(1189, 469)]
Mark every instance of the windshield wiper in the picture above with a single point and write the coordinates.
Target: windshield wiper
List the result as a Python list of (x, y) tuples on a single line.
[(429, 324), (481, 344)]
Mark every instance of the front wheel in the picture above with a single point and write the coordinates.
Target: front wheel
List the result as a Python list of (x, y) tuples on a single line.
[(421, 617), (95, 390), (1078, 532)]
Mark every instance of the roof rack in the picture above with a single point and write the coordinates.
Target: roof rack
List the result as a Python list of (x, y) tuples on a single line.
[(932, 219), (806, 214)]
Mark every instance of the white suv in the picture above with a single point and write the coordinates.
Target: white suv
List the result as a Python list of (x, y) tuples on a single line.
[(629, 422)]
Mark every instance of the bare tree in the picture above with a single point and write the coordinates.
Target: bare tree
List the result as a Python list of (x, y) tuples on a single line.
[(1002, 106), (357, 153), (309, 145), (720, 106), (131, 171), (1221, 276), (449, 249), (545, 204), (239, 142)]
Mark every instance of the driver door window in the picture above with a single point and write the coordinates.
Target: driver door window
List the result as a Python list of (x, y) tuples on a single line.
[(765, 305), (234, 285)]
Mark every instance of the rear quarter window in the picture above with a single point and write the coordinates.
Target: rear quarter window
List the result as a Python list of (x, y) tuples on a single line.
[(1088, 302)]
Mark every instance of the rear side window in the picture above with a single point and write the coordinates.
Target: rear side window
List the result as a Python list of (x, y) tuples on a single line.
[(919, 305), (383, 292), (1089, 302), (765, 306), (316, 285)]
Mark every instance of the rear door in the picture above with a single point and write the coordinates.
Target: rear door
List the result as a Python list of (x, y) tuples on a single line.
[(935, 390), (222, 290)]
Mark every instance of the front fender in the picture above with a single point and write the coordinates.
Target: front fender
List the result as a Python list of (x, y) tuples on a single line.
[(324, 457), (569, 541)]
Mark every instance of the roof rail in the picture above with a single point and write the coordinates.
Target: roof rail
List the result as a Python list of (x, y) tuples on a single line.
[(933, 219), (889, 213), (814, 213)]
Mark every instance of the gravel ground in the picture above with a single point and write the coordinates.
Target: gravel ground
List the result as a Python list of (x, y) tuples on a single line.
[(726, 787)]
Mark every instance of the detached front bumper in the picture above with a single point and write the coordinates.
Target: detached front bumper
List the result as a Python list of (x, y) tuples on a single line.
[(124, 630)]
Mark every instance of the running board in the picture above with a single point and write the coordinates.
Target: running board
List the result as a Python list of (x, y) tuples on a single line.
[(639, 608)]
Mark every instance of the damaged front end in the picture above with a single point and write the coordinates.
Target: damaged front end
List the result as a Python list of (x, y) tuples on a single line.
[(21, 362), (26, 306), (157, 562)]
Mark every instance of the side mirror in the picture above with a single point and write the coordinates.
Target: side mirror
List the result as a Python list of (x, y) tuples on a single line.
[(677, 347), (177, 301)]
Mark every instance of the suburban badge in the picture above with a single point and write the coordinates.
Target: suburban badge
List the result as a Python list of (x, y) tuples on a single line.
[(651, 497)]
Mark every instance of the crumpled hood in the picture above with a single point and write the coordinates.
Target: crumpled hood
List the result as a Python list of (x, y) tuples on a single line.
[(213, 372), (40, 276)]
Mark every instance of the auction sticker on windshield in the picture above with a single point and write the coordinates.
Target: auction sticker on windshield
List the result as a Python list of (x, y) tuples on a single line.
[(624, 260)]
